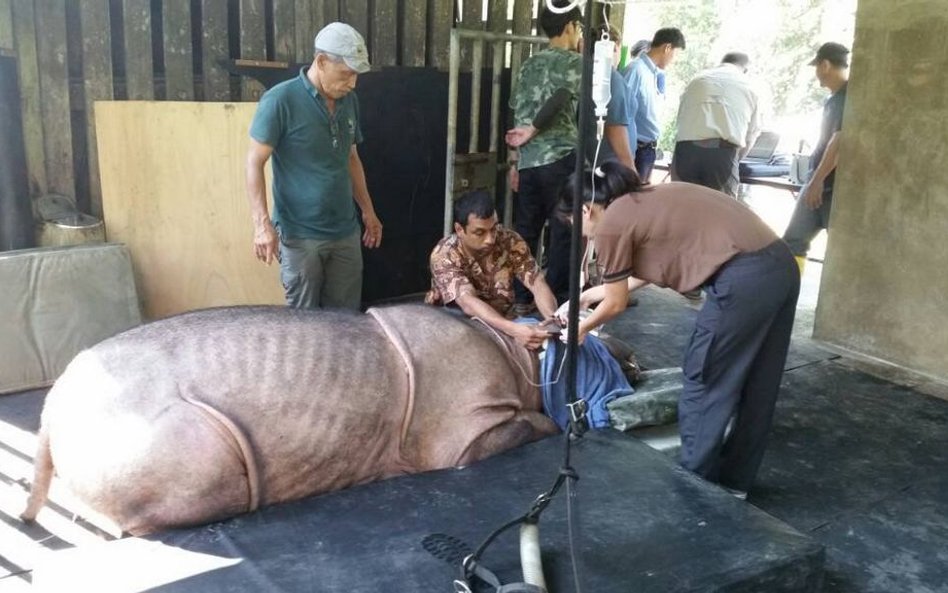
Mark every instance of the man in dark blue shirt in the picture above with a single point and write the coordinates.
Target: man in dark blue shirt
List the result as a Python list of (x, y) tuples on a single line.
[(812, 211), (310, 127)]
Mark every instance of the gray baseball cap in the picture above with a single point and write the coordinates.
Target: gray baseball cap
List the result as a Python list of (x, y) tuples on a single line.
[(344, 41)]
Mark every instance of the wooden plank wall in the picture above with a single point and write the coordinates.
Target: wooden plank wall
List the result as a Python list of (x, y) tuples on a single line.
[(72, 54)]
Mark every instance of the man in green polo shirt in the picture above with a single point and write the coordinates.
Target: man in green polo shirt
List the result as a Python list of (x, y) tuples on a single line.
[(310, 126)]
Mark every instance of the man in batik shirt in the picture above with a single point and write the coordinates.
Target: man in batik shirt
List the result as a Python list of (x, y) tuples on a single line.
[(474, 269)]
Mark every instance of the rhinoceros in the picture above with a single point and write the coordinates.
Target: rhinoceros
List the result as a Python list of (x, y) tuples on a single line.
[(213, 413)]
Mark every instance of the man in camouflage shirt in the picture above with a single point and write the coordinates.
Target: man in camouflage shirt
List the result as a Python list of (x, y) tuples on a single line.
[(546, 161), (474, 269)]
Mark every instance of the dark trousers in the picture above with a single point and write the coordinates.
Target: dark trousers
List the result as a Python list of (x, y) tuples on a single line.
[(645, 160), (805, 224), (540, 192), (711, 163), (734, 362)]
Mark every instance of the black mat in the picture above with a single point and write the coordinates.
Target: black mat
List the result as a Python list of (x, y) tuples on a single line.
[(861, 464), (646, 526)]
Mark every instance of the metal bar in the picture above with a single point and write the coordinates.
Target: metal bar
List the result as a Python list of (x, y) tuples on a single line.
[(454, 67), (576, 255), (477, 68)]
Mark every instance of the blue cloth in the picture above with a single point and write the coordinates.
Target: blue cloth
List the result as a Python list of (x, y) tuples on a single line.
[(642, 86), (599, 381)]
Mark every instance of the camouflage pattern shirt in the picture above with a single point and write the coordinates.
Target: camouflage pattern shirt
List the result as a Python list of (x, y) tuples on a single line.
[(540, 76), (490, 278)]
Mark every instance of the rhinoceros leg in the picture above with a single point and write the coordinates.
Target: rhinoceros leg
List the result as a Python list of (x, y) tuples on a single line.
[(524, 428), (191, 471)]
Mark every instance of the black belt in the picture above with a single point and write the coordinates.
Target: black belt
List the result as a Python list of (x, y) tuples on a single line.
[(711, 143), (641, 144)]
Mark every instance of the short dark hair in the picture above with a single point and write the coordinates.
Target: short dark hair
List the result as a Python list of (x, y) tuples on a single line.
[(737, 58), (669, 35), (477, 202), (552, 24), (616, 180)]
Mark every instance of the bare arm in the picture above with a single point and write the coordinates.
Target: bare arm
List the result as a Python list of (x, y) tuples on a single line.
[(618, 138), (614, 302), (360, 192), (265, 240), (814, 190), (593, 295), (753, 131), (525, 335), (542, 295)]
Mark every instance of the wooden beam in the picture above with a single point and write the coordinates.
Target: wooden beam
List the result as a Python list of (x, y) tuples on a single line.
[(96, 83), (356, 13), (179, 67), (522, 23), (496, 23), (383, 36), (305, 18), (414, 23), (284, 30), (253, 44), (139, 69), (214, 48), (54, 84), (328, 12), (24, 32), (6, 25), (440, 23)]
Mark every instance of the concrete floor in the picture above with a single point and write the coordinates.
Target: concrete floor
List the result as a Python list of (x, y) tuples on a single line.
[(857, 458)]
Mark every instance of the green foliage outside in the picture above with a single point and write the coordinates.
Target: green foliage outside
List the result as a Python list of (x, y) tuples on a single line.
[(780, 36)]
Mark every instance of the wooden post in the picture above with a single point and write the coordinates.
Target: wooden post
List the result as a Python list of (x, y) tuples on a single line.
[(414, 24), (440, 23), (24, 33), (139, 69), (522, 23), (253, 44), (179, 68), (384, 34), (214, 47), (284, 30), (54, 100), (471, 18), (356, 13), (6, 26), (305, 17), (96, 83)]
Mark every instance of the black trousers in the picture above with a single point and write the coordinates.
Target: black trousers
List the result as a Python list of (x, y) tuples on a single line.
[(734, 363), (711, 166), (540, 192)]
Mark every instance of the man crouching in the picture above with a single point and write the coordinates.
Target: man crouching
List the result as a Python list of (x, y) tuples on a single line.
[(474, 269)]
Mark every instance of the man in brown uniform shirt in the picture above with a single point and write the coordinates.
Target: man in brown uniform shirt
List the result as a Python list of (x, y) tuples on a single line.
[(474, 268), (685, 237)]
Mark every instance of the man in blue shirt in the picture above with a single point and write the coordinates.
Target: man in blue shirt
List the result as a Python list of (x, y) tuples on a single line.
[(310, 126), (642, 79)]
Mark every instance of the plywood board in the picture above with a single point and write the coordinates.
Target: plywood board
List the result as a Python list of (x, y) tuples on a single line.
[(173, 191)]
